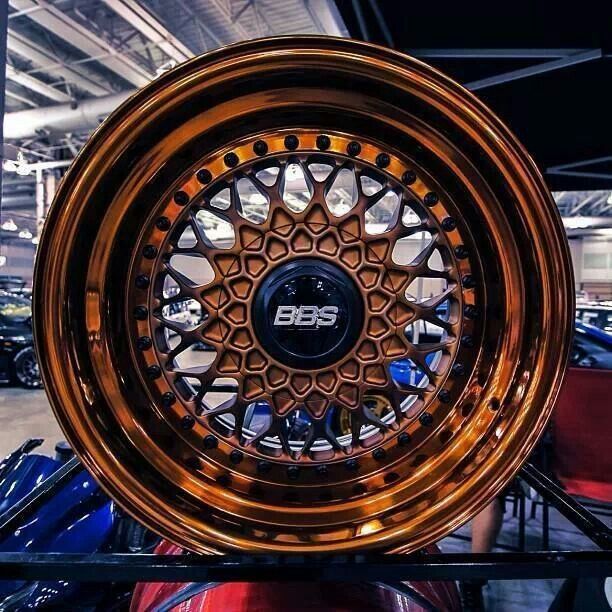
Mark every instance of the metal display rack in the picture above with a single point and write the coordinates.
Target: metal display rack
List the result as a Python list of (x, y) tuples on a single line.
[(368, 567)]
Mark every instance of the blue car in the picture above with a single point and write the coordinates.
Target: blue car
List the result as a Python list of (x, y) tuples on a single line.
[(78, 518)]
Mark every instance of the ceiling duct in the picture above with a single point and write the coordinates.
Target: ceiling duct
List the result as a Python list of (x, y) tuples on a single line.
[(84, 116)]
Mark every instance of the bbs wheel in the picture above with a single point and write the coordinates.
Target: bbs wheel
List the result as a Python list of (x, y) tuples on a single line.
[(303, 295)]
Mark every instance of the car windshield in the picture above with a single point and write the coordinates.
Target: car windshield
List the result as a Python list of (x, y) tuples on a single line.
[(14, 309)]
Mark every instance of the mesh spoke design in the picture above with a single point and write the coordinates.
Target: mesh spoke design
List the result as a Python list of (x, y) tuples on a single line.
[(261, 215)]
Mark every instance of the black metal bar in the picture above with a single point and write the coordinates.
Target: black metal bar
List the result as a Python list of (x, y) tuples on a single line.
[(521, 517), (382, 23), (545, 525), (577, 514), (363, 27), (303, 568), (16, 514)]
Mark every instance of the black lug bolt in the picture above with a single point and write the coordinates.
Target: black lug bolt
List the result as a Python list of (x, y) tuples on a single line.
[(223, 480), (467, 341), (382, 160), (204, 176), (404, 439), (142, 281), (468, 281), (236, 457), (292, 142), (471, 312), (181, 198), (153, 372), (168, 398), (141, 313), (431, 199), (293, 472), (351, 465), (461, 251), (260, 148), (230, 159), (458, 369), (323, 142), (210, 442), (322, 471), (409, 177), (163, 224), (426, 419), (144, 343), (359, 489), (193, 463), (444, 396), (263, 467), (448, 224), (150, 251), (379, 454), (187, 422), (353, 148)]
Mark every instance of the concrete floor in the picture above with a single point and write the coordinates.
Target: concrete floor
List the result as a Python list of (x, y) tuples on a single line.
[(27, 414)]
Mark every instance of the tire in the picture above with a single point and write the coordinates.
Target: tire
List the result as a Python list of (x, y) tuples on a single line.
[(25, 367)]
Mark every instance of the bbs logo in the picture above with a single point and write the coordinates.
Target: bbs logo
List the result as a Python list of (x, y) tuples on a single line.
[(306, 316)]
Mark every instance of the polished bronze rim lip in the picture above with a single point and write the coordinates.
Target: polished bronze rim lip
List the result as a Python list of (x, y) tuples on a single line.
[(47, 271)]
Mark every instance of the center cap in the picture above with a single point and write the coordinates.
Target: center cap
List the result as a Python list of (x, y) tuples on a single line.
[(308, 314)]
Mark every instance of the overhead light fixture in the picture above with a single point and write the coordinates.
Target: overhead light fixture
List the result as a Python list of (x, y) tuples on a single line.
[(20, 165), (27, 234), (9, 225), (35, 240), (2, 260)]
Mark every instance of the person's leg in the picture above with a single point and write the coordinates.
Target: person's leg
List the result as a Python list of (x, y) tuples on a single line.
[(485, 529), (486, 526)]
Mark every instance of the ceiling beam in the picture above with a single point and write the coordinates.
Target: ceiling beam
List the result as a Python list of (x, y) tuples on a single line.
[(36, 85), (22, 99), (60, 24), (150, 27), (521, 73), (17, 43), (493, 53)]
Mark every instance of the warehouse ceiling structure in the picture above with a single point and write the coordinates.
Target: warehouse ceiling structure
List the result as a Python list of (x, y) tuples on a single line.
[(544, 69), (71, 62)]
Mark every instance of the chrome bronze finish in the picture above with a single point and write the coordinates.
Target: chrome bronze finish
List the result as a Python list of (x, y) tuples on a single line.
[(375, 464)]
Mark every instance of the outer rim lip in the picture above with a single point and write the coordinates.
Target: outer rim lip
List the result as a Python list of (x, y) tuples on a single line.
[(46, 270)]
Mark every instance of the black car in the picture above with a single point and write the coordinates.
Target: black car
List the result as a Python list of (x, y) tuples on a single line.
[(17, 357)]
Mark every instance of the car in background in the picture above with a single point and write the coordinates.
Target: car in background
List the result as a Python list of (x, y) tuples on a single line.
[(598, 315), (592, 347), (18, 362)]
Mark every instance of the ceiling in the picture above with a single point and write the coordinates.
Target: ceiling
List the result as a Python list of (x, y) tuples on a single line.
[(545, 70), (81, 58), (544, 67)]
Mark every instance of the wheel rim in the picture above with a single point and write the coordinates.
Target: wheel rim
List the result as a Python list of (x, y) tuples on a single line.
[(250, 450), (28, 371)]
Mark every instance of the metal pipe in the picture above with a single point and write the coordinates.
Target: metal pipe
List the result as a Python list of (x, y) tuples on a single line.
[(102, 567), (586, 521), (84, 116), (363, 28)]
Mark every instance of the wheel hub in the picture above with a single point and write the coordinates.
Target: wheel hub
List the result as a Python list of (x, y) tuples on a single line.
[(308, 314)]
